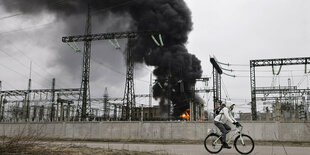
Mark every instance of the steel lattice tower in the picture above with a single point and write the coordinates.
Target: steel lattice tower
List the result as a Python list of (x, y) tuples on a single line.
[(129, 94), (87, 38), (216, 88), (85, 90), (217, 72)]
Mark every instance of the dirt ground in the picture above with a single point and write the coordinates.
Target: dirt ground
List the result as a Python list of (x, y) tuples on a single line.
[(45, 146), (72, 150)]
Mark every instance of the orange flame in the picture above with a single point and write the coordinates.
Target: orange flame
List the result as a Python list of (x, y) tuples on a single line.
[(185, 115)]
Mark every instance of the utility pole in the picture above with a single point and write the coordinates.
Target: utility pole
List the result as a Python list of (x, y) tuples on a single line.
[(141, 117), (1, 101), (53, 100), (169, 94), (150, 91), (150, 96), (28, 96), (105, 103)]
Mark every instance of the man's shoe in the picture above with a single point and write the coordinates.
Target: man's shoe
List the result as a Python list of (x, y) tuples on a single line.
[(225, 145)]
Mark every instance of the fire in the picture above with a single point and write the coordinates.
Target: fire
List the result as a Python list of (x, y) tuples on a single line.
[(185, 115)]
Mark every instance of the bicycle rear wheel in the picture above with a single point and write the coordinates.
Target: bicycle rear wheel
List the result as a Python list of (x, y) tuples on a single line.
[(244, 144), (213, 144)]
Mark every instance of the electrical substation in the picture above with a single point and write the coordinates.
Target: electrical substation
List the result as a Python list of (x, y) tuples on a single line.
[(75, 104)]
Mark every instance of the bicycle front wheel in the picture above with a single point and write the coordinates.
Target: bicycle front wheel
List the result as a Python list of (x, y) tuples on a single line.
[(213, 143), (244, 144)]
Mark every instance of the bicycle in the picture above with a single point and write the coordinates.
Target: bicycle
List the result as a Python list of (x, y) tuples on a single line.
[(243, 143)]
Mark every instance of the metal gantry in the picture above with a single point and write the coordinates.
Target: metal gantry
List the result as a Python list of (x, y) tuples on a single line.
[(129, 89), (42, 106), (280, 62), (86, 60), (107, 36), (31, 98), (217, 72), (273, 62)]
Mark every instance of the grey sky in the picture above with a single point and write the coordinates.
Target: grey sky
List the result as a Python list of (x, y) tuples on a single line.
[(234, 31), (241, 30)]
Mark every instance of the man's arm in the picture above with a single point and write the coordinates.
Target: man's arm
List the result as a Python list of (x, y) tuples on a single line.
[(225, 110), (231, 116), (235, 121)]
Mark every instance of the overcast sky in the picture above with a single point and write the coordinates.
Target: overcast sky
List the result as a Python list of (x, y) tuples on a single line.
[(242, 30), (234, 31)]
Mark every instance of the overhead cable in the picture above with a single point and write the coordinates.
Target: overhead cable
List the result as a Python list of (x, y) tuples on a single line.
[(38, 65), (10, 16)]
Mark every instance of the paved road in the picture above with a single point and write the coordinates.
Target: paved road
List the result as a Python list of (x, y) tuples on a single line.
[(194, 149)]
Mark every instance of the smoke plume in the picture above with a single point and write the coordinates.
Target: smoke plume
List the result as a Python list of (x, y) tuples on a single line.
[(176, 69)]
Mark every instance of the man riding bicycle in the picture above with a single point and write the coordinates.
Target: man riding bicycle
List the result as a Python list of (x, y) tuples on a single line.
[(221, 119)]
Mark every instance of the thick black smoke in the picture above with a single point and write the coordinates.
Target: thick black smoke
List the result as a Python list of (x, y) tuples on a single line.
[(175, 68)]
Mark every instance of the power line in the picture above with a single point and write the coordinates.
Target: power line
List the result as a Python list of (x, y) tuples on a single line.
[(247, 76), (10, 16), (59, 3), (7, 83), (245, 70), (112, 7), (302, 80), (143, 67), (225, 90), (28, 28), (228, 64), (32, 61), (12, 70), (110, 68), (24, 76), (243, 65), (106, 66), (22, 65)]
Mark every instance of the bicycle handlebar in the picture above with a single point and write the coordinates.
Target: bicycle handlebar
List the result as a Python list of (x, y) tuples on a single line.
[(239, 127)]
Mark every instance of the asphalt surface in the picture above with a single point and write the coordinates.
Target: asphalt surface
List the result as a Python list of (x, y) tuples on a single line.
[(192, 149)]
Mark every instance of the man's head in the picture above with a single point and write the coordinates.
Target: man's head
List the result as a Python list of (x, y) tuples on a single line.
[(232, 106), (223, 105)]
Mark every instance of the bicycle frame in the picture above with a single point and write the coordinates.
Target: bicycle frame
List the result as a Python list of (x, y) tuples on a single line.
[(237, 132)]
